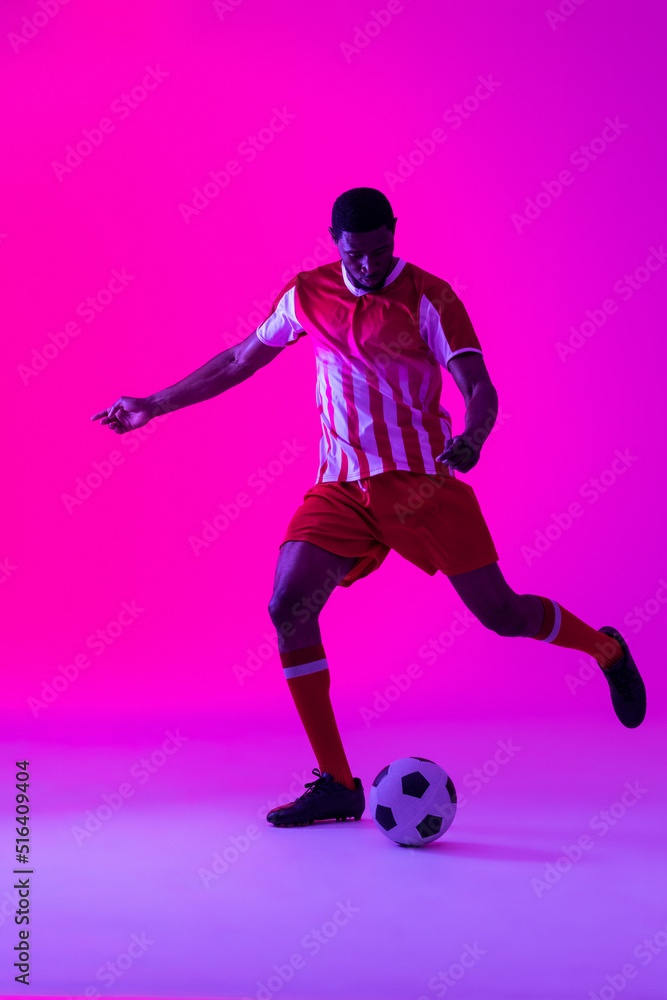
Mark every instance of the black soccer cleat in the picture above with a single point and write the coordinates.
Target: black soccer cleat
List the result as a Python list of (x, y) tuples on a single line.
[(628, 694), (324, 799)]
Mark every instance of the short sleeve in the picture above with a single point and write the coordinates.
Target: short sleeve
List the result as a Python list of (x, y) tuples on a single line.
[(445, 325), (281, 327)]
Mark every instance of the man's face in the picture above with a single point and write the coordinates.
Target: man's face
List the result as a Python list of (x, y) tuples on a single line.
[(368, 257)]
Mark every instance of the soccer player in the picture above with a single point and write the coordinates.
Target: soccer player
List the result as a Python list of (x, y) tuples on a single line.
[(382, 328)]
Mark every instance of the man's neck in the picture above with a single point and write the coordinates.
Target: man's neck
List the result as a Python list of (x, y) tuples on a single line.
[(357, 284)]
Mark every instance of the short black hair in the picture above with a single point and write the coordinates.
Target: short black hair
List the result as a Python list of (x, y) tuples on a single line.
[(360, 210)]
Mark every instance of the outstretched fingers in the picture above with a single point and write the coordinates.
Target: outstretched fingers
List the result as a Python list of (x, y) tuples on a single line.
[(108, 414)]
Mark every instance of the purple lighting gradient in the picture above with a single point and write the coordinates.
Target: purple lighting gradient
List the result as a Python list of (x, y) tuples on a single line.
[(168, 168)]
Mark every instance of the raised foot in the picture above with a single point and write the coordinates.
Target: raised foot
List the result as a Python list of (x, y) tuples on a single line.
[(628, 694)]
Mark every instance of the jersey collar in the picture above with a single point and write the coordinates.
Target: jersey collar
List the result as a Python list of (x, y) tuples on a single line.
[(359, 291)]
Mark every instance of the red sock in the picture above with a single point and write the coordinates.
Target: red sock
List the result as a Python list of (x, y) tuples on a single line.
[(564, 629), (308, 679)]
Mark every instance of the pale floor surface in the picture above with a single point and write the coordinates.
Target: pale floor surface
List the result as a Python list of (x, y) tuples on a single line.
[(391, 921)]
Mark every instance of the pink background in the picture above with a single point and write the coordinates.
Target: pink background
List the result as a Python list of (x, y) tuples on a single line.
[(200, 285), (194, 282)]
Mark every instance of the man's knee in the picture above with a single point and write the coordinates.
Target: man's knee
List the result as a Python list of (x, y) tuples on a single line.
[(290, 608), (279, 606)]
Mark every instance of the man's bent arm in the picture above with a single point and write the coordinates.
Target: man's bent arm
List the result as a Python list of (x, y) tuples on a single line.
[(225, 370), (481, 413), (481, 398)]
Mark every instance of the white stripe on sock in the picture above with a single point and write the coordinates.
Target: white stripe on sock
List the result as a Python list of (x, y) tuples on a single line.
[(305, 668), (556, 629)]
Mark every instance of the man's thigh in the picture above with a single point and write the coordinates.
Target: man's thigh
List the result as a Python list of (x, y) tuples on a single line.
[(335, 519), (304, 569)]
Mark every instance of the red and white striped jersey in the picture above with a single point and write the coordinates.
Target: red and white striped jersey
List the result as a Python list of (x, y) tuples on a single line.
[(378, 356)]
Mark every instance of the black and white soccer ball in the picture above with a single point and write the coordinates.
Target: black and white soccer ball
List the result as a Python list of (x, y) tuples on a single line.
[(413, 801)]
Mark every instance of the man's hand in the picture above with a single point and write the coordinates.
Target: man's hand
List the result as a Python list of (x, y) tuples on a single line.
[(461, 454), (126, 414)]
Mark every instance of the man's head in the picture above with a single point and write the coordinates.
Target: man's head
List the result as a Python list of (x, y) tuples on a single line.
[(363, 226)]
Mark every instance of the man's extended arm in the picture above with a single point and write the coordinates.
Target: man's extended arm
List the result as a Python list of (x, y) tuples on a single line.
[(225, 370), (219, 374), (481, 399)]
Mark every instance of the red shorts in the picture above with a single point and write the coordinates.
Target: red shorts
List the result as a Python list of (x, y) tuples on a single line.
[(434, 521)]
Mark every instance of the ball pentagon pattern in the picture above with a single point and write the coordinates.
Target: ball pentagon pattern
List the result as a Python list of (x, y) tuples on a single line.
[(413, 801)]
